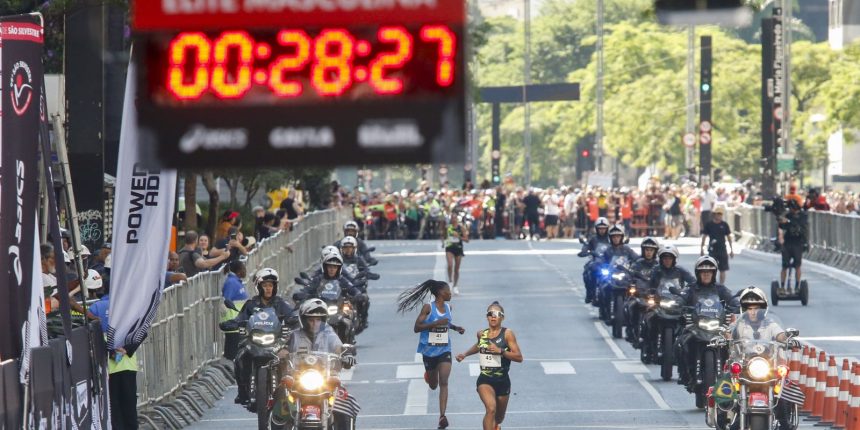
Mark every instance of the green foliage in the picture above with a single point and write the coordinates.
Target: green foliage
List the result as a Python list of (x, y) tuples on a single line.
[(645, 90)]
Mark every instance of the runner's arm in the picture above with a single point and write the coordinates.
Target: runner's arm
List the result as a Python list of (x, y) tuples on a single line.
[(514, 354)]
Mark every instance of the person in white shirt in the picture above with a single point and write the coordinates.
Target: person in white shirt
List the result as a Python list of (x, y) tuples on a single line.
[(569, 212), (708, 199), (551, 210)]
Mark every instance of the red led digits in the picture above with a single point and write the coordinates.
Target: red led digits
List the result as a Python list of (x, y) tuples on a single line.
[(331, 73), (290, 63), (179, 55), (447, 42), (391, 60), (227, 85)]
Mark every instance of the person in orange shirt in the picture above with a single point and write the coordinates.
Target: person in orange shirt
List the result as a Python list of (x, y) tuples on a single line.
[(626, 209), (593, 211), (792, 195)]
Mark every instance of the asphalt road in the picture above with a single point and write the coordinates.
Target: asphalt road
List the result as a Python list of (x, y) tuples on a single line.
[(574, 375)]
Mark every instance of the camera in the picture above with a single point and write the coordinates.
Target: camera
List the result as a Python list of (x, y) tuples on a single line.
[(777, 207)]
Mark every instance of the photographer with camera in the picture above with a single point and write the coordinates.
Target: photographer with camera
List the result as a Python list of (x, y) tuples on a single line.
[(792, 237)]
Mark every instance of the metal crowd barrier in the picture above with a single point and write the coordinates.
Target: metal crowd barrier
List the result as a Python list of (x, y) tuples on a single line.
[(834, 239), (185, 338)]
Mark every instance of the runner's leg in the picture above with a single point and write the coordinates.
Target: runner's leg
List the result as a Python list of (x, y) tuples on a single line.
[(488, 396)]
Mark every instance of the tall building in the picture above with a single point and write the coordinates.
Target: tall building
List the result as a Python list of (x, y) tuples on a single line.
[(497, 8), (844, 22)]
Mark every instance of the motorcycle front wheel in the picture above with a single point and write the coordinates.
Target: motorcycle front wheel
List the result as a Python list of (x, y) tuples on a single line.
[(261, 398), (759, 422), (618, 317), (667, 362)]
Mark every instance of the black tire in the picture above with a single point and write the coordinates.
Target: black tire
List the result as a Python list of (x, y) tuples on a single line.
[(618, 318), (759, 422), (668, 361), (774, 294), (261, 398), (804, 293), (709, 370)]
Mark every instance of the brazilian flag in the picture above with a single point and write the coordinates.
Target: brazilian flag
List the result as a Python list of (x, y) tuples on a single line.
[(724, 391)]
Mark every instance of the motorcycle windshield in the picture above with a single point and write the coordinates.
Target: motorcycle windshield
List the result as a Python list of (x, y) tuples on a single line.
[(601, 248), (746, 349), (618, 261), (757, 325), (351, 270), (666, 285), (330, 292), (709, 306), (264, 321)]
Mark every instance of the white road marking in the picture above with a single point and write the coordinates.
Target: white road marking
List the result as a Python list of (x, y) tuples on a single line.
[(346, 374), (440, 269), (658, 399), (416, 398), (557, 368), (608, 338), (474, 369), (831, 338), (630, 367), (418, 358), (410, 371)]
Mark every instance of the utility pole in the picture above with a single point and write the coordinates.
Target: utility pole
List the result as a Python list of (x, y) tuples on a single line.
[(598, 143), (786, 73), (705, 121), (691, 91), (527, 135)]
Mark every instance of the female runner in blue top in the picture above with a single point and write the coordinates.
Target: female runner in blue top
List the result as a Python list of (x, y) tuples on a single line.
[(433, 343)]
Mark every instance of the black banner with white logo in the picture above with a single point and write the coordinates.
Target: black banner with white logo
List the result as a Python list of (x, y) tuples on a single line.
[(21, 303)]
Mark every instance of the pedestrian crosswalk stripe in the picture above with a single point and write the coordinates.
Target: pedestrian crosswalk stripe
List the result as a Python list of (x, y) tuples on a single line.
[(557, 368), (630, 367), (411, 371)]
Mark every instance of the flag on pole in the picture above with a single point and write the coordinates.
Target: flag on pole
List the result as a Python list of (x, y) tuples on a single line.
[(143, 210)]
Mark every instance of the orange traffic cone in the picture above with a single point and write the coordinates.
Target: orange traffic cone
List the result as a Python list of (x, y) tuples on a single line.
[(831, 394), (844, 393), (853, 421), (820, 387), (809, 387), (794, 365)]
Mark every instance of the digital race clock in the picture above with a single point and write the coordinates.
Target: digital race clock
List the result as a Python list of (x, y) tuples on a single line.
[(298, 82)]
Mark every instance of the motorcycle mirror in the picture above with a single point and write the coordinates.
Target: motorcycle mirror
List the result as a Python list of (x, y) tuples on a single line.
[(581, 240), (301, 281), (293, 321), (371, 249), (792, 332), (674, 290), (230, 305), (304, 275)]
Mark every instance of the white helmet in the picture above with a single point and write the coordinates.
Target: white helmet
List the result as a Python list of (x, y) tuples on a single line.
[(326, 250), (348, 241), (332, 258), (668, 249), (93, 280), (705, 263), (753, 296), (617, 229), (313, 308), (601, 222), (350, 225), (266, 274), (650, 242)]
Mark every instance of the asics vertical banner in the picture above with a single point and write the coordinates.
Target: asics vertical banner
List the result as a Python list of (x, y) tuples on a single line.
[(21, 297), (143, 209)]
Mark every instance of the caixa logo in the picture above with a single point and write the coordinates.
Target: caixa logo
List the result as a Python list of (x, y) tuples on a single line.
[(21, 83), (200, 137)]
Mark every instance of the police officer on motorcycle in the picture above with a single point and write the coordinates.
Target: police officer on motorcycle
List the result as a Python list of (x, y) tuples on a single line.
[(317, 336), (641, 270), (350, 229), (331, 263), (706, 284), (617, 246), (601, 227), (754, 324), (266, 281), (354, 267), (668, 269)]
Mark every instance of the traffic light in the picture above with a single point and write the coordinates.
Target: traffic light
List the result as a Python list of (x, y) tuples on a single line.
[(584, 158)]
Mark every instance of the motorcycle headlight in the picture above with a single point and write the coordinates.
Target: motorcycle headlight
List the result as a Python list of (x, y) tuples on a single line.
[(604, 272), (709, 324), (263, 339), (651, 302), (618, 276), (332, 310), (667, 304), (311, 380), (759, 368)]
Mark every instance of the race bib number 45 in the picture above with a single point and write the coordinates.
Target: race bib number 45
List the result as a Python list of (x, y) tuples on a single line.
[(490, 361)]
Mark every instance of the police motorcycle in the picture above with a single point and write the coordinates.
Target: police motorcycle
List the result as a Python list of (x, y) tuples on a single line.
[(705, 321), (594, 248), (341, 310), (660, 326), (357, 271), (266, 335), (755, 392), (613, 289), (639, 297)]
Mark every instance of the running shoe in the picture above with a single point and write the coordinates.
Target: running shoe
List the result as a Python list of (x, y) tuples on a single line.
[(456, 291), (443, 422)]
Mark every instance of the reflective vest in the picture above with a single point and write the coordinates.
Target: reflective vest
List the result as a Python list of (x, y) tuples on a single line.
[(125, 363), (228, 314)]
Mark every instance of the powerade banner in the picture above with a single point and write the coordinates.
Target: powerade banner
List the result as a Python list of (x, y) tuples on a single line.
[(143, 210), (22, 312)]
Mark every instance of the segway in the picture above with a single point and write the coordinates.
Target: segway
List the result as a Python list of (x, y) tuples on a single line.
[(789, 292)]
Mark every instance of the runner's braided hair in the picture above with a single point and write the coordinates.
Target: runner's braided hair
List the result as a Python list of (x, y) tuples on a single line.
[(414, 297)]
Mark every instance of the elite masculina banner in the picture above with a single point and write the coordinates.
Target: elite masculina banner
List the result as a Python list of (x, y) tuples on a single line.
[(143, 210), (21, 295)]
